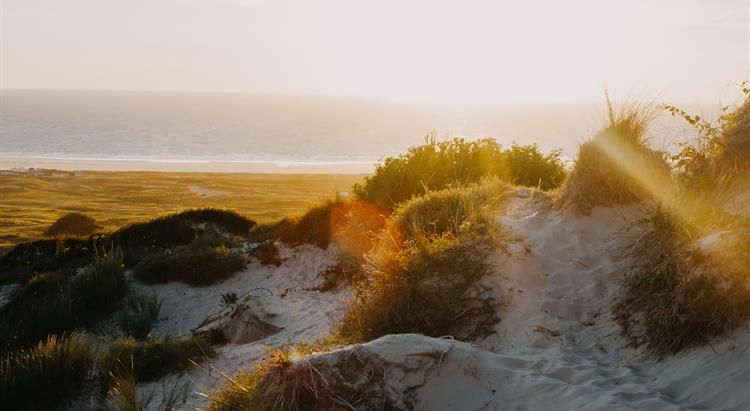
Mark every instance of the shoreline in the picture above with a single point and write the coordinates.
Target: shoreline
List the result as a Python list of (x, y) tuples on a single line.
[(188, 166)]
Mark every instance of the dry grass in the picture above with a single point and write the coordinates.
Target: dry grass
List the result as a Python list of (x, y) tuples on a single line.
[(39, 377), (308, 377), (617, 166), (423, 275), (679, 294)]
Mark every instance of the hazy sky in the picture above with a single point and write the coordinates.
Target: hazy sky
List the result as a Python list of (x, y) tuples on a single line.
[(458, 52)]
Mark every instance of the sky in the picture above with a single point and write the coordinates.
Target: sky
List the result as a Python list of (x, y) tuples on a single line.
[(461, 52)]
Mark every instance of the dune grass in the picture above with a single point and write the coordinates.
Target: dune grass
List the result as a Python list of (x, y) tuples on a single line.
[(139, 314), (52, 303), (39, 377), (617, 166), (152, 359), (681, 294)]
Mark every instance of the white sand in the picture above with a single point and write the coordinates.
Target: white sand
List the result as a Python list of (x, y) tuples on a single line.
[(300, 312)]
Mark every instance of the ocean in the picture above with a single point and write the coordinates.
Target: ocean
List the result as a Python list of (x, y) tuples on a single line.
[(148, 129)]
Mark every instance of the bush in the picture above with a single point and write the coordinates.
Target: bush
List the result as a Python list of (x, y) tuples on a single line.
[(678, 294), (37, 257), (72, 224), (204, 261), (617, 166), (437, 165), (151, 360), (228, 220), (40, 377), (51, 303), (721, 154), (527, 166)]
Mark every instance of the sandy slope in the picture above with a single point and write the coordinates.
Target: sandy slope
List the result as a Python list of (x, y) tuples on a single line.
[(556, 346), (300, 313)]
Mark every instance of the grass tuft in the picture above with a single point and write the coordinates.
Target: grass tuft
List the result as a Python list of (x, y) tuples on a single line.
[(39, 377), (681, 294), (617, 166), (152, 359)]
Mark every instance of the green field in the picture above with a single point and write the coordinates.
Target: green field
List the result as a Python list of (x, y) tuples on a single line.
[(30, 203)]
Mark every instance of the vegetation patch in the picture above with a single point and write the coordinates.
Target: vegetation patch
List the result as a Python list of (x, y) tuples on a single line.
[(204, 261), (39, 377), (141, 239), (52, 303), (450, 210), (152, 359), (324, 381), (72, 224), (617, 166), (139, 314), (680, 292), (60, 255), (438, 165)]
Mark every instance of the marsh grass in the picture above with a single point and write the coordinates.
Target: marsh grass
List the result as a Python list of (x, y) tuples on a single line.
[(39, 377)]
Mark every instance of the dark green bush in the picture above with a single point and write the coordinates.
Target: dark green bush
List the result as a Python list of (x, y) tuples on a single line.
[(437, 165), (41, 256), (206, 260), (38, 378), (72, 224), (151, 360)]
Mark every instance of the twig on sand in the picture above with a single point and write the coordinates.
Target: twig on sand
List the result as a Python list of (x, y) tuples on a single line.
[(546, 331)]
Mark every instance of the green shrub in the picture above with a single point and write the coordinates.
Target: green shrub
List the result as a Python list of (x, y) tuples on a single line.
[(721, 154), (437, 165), (150, 360), (617, 166), (37, 257), (679, 295), (527, 166), (204, 261), (51, 303), (72, 224), (38, 378)]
